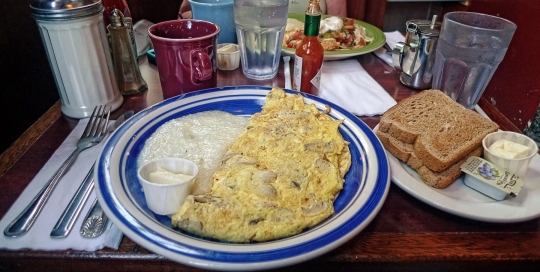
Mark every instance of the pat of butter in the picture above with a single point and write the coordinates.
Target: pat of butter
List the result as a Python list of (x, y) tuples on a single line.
[(162, 176), (490, 179), (508, 149)]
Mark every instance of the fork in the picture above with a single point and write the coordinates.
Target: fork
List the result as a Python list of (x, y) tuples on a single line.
[(93, 134)]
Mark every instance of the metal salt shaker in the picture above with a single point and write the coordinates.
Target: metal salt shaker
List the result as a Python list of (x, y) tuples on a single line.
[(126, 66), (415, 57), (76, 44)]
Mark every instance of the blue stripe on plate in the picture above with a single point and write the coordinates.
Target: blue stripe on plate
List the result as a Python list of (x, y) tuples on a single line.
[(242, 107)]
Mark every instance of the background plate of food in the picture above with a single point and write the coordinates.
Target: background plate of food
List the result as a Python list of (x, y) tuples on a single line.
[(364, 189), (338, 44)]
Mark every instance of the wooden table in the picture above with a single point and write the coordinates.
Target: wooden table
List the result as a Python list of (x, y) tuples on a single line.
[(406, 233)]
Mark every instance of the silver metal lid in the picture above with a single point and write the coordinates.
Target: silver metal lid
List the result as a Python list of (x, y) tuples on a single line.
[(60, 10), (424, 27), (116, 18)]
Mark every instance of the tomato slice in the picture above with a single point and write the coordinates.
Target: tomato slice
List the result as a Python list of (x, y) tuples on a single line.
[(297, 35), (362, 42)]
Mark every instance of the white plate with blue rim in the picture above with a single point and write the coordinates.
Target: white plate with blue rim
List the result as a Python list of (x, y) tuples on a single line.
[(119, 192)]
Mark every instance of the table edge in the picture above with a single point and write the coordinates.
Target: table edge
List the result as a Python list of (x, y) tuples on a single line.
[(11, 155)]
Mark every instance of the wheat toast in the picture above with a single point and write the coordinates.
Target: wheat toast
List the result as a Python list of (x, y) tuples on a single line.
[(442, 131), (404, 152)]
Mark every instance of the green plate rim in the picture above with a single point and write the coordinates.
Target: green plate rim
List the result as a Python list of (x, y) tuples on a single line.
[(371, 31)]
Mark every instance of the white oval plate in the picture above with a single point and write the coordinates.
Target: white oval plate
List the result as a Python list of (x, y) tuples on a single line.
[(461, 200), (119, 192)]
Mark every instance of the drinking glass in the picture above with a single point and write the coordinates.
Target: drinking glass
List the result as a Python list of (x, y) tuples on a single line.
[(470, 48), (260, 25)]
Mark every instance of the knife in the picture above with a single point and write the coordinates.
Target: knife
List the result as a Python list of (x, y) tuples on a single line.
[(71, 213)]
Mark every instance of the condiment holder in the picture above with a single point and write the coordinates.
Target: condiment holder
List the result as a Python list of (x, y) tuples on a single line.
[(166, 199), (415, 57), (228, 56), (74, 38), (516, 166)]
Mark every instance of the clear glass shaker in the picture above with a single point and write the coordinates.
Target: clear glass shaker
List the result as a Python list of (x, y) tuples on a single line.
[(76, 44)]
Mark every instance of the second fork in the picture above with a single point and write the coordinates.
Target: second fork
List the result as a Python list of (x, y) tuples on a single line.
[(92, 135)]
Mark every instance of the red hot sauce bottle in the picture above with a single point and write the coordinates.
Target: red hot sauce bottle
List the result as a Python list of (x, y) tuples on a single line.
[(309, 53)]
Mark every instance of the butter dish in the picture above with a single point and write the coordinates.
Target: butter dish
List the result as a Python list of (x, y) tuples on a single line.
[(490, 179)]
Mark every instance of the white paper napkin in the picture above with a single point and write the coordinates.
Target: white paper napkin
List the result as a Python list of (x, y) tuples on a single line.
[(38, 238), (347, 84), (392, 38)]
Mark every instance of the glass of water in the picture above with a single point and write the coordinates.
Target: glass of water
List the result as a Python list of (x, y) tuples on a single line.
[(470, 48), (260, 25)]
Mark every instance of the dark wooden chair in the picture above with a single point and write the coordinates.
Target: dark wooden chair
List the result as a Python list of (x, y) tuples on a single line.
[(369, 11)]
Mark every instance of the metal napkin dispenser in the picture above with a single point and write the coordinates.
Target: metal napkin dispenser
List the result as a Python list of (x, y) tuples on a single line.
[(415, 57)]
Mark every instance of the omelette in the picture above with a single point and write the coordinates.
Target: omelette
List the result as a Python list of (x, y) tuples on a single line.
[(279, 177)]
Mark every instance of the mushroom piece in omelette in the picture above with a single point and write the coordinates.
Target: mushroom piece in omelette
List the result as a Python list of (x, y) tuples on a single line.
[(279, 177)]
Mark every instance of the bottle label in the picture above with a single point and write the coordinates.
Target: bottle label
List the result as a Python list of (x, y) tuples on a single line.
[(311, 25), (297, 73), (316, 80)]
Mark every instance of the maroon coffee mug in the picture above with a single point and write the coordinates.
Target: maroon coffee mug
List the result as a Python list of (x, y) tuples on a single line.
[(185, 55)]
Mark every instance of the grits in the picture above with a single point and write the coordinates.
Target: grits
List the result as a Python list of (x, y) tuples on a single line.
[(202, 138)]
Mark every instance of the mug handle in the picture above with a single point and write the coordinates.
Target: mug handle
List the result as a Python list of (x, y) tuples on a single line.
[(201, 65)]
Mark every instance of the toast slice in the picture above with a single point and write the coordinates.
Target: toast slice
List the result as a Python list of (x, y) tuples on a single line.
[(441, 180), (443, 132), (401, 150), (405, 152)]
